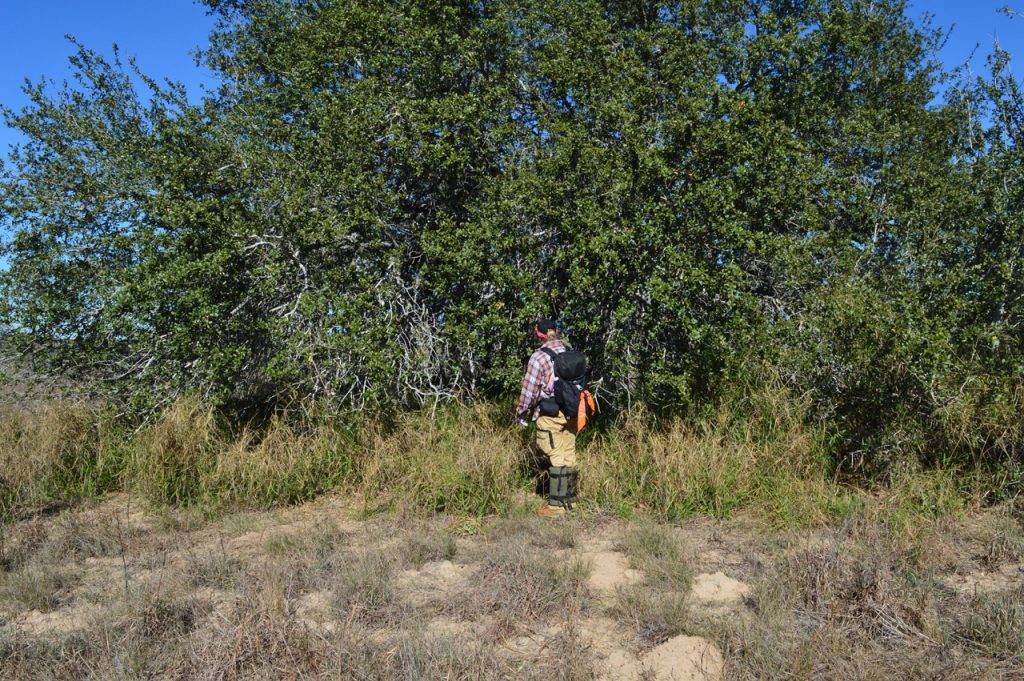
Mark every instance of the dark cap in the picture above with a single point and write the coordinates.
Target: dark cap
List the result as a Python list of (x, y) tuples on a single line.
[(544, 325)]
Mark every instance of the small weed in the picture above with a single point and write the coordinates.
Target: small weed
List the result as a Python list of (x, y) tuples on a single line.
[(257, 643), (534, 531), (18, 543), (422, 547), (570, 658), (37, 587), (1004, 543), (285, 544), (420, 655), (159, 615), (653, 615), (468, 528), (996, 623), (214, 569), (659, 552), (76, 538), (238, 524), (190, 519), (364, 591), (277, 584), (327, 539), (560, 535)]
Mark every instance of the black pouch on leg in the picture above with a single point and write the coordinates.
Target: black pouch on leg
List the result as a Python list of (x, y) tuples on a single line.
[(548, 407), (558, 487)]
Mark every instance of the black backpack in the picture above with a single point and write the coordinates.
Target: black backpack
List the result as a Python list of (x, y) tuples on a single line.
[(571, 393)]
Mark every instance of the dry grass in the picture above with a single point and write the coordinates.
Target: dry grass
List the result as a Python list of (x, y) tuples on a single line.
[(215, 569), (173, 457), (873, 599), (455, 460), (762, 456), (364, 591), (56, 451), (515, 585), (879, 595), (425, 543), (322, 597), (462, 459), (526, 528), (78, 537), (36, 587), (654, 617), (995, 624), (282, 464), (657, 608), (18, 543), (458, 461), (1003, 542), (659, 551), (210, 612)]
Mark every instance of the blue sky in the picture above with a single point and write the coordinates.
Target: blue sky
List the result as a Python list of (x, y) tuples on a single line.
[(161, 34), (975, 23)]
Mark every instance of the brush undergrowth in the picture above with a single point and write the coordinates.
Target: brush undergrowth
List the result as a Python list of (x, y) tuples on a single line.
[(758, 453), (57, 452), (875, 599)]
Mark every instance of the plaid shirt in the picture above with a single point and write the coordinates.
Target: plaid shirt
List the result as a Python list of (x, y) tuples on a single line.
[(539, 380)]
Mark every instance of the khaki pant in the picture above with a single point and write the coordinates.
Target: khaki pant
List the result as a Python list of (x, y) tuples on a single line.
[(556, 437)]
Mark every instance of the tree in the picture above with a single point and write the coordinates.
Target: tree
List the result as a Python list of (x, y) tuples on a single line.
[(382, 195)]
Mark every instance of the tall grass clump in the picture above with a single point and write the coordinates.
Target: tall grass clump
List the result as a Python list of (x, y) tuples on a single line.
[(761, 451), (458, 459), (758, 450), (982, 424), (57, 451), (191, 456), (283, 464), (175, 458)]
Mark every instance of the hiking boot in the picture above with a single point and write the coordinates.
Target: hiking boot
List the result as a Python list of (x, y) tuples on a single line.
[(551, 511)]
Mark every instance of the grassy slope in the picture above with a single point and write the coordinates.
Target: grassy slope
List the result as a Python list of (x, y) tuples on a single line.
[(104, 590), (460, 459), (151, 553)]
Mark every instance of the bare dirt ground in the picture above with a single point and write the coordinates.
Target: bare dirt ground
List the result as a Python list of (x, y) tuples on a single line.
[(109, 590)]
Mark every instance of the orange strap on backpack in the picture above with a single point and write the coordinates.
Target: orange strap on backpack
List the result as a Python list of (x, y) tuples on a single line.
[(587, 406)]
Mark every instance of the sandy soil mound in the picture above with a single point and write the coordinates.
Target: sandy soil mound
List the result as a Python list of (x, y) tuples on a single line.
[(718, 589), (608, 644), (1008, 576), (684, 658), (314, 610), (610, 569), (433, 582), (57, 622)]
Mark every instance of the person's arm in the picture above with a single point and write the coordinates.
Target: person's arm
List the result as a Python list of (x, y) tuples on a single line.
[(532, 382)]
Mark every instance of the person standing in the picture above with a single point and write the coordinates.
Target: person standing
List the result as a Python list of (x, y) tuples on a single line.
[(556, 432)]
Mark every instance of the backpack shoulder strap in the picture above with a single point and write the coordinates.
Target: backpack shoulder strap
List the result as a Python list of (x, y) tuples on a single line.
[(550, 353)]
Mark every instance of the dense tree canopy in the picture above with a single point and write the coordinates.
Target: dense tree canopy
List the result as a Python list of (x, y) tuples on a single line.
[(382, 193)]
